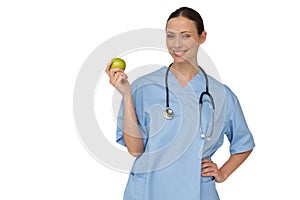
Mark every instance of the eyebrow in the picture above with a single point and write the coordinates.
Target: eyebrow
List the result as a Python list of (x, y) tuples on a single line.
[(180, 32)]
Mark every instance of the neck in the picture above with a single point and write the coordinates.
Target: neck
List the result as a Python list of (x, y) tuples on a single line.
[(185, 71)]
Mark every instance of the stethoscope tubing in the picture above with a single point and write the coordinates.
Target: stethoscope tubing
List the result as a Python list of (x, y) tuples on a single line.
[(169, 113)]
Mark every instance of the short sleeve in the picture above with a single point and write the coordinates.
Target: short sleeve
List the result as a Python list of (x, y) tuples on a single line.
[(142, 118), (120, 119), (237, 131)]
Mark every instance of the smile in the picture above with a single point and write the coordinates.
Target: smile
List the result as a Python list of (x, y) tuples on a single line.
[(179, 53)]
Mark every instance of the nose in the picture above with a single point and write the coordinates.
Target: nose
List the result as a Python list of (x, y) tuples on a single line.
[(177, 42)]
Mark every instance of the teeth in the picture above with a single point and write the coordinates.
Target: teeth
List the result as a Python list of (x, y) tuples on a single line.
[(179, 53)]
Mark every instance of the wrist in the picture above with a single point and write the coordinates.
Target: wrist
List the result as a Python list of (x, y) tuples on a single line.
[(223, 174), (127, 96)]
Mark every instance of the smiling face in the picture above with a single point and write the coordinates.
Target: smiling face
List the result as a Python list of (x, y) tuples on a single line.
[(183, 40)]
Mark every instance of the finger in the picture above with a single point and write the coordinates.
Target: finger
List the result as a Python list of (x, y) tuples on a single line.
[(208, 167), (205, 160), (118, 76), (108, 67), (214, 174), (205, 165), (114, 70), (208, 163), (119, 73), (114, 77), (209, 171), (113, 73), (122, 77), (125, 75)]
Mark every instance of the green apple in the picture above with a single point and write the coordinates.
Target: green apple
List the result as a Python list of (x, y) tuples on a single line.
[(118, 63)]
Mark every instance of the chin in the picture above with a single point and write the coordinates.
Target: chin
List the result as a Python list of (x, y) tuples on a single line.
[(179, 60)]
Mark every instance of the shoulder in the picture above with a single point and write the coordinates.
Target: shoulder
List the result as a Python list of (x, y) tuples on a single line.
[(215, 83), (222, 90), (231, 96)]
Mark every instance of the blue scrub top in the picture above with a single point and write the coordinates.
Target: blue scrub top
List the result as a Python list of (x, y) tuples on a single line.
[(170, 167)]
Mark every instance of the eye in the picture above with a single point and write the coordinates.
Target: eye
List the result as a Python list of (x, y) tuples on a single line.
[(170, 36), (185, 36)]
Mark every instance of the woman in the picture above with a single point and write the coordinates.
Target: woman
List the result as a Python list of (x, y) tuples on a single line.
[(174, 149)]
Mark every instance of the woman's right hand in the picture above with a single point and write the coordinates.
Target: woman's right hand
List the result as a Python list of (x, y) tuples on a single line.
[(118, 79)]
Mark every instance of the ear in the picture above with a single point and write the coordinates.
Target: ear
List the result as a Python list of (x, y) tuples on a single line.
[(202, 37)]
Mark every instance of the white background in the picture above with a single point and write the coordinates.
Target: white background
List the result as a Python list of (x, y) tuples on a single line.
[(43, 44)]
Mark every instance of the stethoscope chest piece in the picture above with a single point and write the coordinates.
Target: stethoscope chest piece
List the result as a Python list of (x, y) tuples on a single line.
[(168, 113)]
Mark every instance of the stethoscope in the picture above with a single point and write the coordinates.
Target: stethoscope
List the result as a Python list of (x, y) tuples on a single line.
[(169, 113)]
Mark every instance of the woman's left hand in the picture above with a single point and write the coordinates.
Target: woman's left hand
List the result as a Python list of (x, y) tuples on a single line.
[(209, 168)]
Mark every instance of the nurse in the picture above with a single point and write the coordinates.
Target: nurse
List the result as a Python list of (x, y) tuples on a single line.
[(173, 160)]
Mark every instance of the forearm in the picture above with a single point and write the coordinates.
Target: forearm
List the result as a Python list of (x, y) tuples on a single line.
[(233, 163), (131, 132)]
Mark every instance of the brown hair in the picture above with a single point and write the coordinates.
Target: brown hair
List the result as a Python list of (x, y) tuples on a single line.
[(191, 14)]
